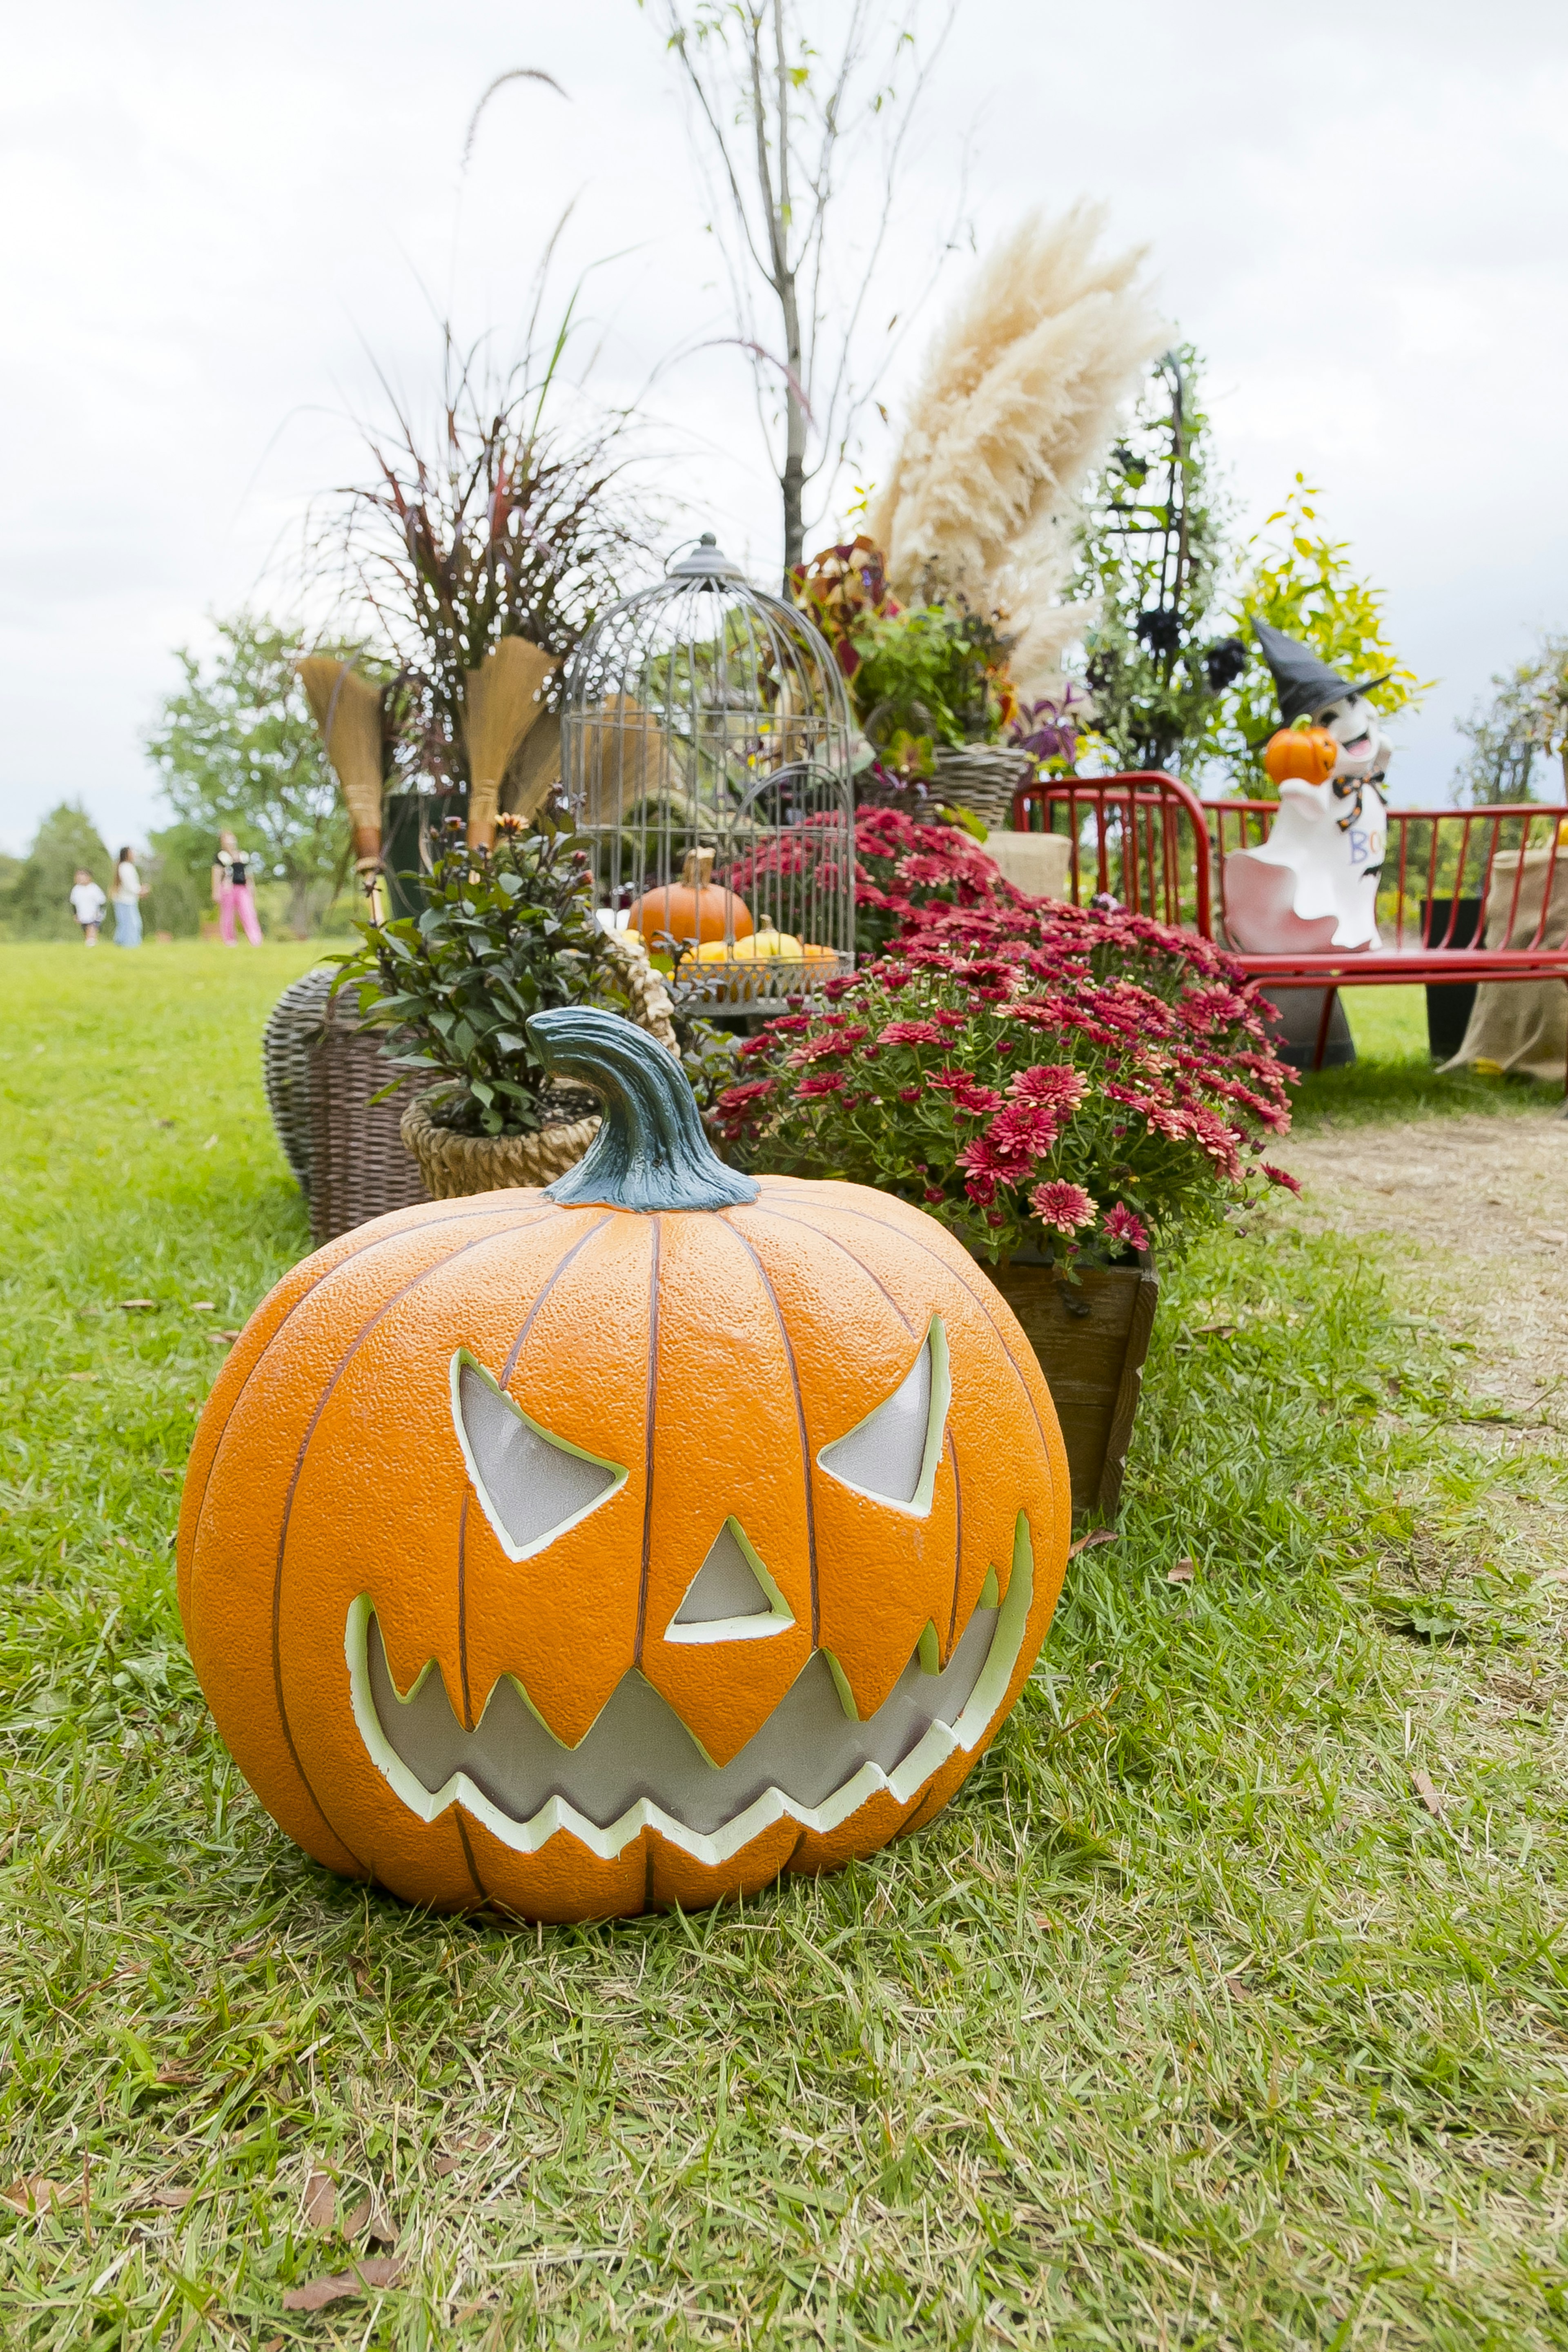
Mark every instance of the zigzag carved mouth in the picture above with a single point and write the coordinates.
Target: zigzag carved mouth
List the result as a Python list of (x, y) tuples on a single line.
[(638, 1766)]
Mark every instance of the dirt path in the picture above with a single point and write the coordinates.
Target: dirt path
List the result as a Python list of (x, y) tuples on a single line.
[(1484, 1200)]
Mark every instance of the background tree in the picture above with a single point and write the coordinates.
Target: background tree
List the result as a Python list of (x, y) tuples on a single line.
[(1525, 722), (237, 747), (1153, 549), (1299, 580), (35, 903), (776, 114)]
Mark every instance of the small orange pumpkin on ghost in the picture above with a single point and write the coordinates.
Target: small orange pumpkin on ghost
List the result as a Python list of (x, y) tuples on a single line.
[(628, 1543), (1306, 755)]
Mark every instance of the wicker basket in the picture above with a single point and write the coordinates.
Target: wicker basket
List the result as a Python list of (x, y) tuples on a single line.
[(455, 1165), (359, 1168), (983, 777), (292, 1025)]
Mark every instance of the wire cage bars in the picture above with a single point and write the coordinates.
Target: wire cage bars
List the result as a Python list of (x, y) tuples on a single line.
[(705, 754)]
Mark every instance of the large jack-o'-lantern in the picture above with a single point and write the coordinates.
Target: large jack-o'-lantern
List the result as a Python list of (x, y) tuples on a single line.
[(589, 1550)]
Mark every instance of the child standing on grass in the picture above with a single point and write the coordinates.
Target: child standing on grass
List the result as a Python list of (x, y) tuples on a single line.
[(234, 892), (87, 903), (128, 897)]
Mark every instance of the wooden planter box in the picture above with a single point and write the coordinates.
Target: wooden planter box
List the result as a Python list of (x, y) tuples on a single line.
[(1091, 1337)]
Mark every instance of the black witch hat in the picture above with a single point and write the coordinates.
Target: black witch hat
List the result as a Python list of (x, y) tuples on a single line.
[(1304, 684)]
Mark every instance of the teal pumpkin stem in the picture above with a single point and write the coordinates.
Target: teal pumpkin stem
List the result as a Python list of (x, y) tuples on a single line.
[(650, 1151)]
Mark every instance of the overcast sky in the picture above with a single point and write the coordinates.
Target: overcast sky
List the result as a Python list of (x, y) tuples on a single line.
[(219, 221)]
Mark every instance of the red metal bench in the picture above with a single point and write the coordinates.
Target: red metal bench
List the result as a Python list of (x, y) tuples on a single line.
[(1149, 842)]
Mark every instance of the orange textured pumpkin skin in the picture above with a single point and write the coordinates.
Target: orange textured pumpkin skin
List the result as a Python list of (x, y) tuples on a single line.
[(681, 911), (715, 1354), (1306, 755)]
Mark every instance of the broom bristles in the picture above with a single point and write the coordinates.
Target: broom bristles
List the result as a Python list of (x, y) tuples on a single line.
[(1018, 402), (499, 705), (347, 711)]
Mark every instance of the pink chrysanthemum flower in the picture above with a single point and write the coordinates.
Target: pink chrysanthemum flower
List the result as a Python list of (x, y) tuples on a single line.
[(1121, 1225), (1064, 1208)]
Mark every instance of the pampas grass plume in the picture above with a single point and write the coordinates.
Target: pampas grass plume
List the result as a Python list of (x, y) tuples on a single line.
[(1018, 400)]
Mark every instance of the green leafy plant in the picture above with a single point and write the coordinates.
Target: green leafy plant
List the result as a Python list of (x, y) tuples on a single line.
[(1298, 579), (502, 933), (1036, 1077), (936, 674)]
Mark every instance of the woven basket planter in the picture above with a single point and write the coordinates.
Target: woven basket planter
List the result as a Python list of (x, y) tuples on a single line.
[(292, 1027), (452, 1165), (359, 1168), (983, 777)]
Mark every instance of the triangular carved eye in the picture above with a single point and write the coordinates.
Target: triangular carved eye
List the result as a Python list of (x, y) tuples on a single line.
[(531, 1485), (893, 1454), (731, 1598)]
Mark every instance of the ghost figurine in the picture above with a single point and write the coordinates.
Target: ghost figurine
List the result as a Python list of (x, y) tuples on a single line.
[(1313, 885)]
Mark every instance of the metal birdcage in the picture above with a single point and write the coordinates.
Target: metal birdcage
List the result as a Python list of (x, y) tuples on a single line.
[(705, 752)]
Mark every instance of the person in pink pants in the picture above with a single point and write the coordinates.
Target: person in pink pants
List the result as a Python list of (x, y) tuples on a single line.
[(234, 892)]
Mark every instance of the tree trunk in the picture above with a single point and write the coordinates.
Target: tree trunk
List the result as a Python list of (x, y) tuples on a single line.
[(794, 487)]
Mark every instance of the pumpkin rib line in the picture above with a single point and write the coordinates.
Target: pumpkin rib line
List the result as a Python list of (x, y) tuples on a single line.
[(763, 1277), (807, 1226), (480, 1889), (463, 1611), (647, 1446), (972, 1294), (511, 1364), (647, 1871), (957, 1542), (457, 1217), (361, 1336)]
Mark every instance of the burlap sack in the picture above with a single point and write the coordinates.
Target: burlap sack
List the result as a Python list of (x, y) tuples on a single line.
[(1521, 1025), (453, 1166)]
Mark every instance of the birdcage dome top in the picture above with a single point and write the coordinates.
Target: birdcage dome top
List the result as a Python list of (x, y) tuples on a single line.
[(705, 732)]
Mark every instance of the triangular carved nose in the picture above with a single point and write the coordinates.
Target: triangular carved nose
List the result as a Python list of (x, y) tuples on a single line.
[(732, 1597)]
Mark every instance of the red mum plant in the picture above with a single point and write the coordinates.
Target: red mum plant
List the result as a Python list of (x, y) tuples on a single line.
[(1042, 1079)]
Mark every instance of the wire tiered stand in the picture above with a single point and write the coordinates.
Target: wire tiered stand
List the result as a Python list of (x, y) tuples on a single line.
[(705, 757)]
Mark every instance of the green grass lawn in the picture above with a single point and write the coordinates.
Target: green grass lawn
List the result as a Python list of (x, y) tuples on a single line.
[(1191, 2023)]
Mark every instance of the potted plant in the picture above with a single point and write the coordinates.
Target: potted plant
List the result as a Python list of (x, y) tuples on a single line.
[(502, 933), (1066, 1091)]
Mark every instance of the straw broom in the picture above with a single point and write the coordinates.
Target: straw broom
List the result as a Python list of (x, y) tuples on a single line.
[(347, 710), (499, 705)]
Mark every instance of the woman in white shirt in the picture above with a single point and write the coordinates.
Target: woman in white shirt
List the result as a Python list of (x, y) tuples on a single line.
[(128, 897)]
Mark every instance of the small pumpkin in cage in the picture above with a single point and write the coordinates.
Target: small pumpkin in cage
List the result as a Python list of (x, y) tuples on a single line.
[(627, 1543), (1306, 755), (695, 907), (739, 978)]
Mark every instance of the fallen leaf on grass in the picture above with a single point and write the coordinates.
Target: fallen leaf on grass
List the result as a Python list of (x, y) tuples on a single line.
[(169, 2076), (130, 1306), (224, 1338), (175, 2201), (1235, 1986), (162, 1122), (211, 1143), (1214, 1330), (1183, 1573), (1558, 1241), (366, 2278), (204, 1307), (1421, 1783), (367, 2220), (321, 2201), (33, 2194), (1095, 1535)]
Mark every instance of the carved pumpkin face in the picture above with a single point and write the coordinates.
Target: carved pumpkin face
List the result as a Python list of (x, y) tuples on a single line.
[(583, 1554)]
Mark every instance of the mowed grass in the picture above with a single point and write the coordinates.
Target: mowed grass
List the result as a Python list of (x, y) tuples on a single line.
[(1394, 1075), (1194, 2022)]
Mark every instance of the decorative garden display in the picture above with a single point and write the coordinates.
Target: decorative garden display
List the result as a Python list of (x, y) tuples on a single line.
[(1313, 883), (629, 1543), (1064, 1089), (705, 757), (502, 933)]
